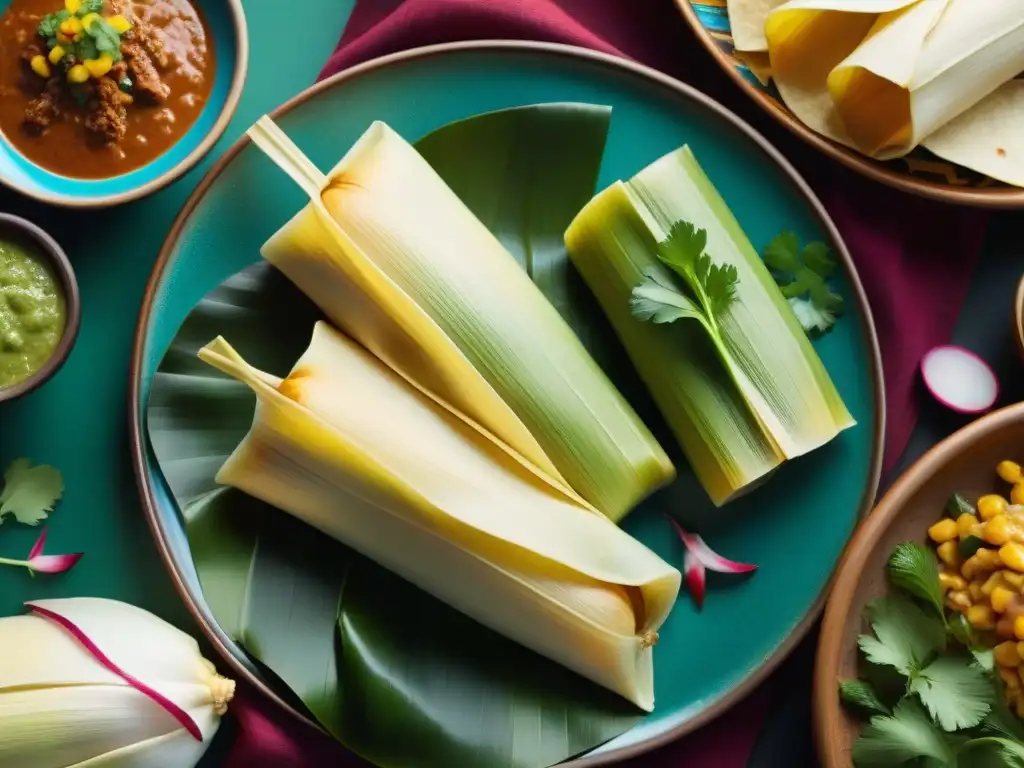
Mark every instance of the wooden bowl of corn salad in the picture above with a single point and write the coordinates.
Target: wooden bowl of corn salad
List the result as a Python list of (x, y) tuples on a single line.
[(964, 502)]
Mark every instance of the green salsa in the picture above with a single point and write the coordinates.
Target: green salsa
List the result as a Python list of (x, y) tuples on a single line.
[(32, 312)]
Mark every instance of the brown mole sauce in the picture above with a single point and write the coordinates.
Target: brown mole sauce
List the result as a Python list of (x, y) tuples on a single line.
[(152, 128)]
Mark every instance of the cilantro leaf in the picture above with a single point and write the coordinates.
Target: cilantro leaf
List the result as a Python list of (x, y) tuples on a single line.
[(106, 38), (1000, 721), (990, 752), (907, 637), (29, 492), (714, 285), (85, 48), (51, 22), (914, 569), (813, 320), (90, 6), (805, 273), (906, 735), (956, 692), (657, 300), (861, 696)]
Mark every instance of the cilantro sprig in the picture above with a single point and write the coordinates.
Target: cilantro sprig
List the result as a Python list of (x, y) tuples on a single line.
[(704, 290), (802, 276), (949, 711), (29, 492), (97, 37)]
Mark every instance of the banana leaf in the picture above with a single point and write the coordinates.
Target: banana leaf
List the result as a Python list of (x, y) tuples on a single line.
[(398, 677)]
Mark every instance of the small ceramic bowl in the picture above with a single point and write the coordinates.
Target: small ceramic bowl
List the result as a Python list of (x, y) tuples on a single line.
[(963, 463), (20, 229), (919, 173), (226, 23)]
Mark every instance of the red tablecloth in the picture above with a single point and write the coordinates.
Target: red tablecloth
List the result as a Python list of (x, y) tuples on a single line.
[(915, 258)]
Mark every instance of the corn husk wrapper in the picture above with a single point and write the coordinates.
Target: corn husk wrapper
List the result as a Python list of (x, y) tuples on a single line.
[(62, 706), (882, 76), (397, 261), (737, 412), (348, 446)]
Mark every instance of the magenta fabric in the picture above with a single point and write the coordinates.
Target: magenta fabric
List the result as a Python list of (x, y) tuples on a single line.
[(915, 258)]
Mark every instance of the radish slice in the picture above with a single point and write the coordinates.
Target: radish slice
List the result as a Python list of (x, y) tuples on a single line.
[(696, 578), (42, 563), (959, 379), (706, 555), (179, 714)]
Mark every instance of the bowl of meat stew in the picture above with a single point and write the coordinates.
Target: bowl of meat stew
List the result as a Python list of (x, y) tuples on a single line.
[(106, 101)]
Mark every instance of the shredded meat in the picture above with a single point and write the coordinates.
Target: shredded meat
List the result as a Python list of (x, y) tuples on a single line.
[(45, 108), (141, 32), (108, 114), (145, 79)]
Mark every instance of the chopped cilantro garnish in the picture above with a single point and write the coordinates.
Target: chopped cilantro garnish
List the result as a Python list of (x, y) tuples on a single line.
[(802, 276)]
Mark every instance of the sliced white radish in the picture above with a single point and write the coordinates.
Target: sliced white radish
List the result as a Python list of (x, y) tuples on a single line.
[(959, 379)]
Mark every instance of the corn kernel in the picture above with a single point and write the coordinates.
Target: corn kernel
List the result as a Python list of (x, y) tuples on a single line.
[(943, 531), (120, 24), (1018, 627), (1014, 579), (947, 553), (965, 525), (1010, 677), (72, 5), (1009, 471), (991, 505), (40, 66), (997, 530), (958, 601), (88, 19), (952, 581), (1001, 598), (78, 74), (993, 581), (1006, 654), (1017, 494), (71, 27), (1012, 555), (981, 562), (100, 66), (983, 617), (974, 590), (56, 54)]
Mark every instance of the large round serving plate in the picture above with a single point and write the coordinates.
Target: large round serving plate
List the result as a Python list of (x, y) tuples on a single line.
[(795, 527), (920, 172)]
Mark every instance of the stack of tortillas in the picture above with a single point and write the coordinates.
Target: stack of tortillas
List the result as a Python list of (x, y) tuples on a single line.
[(886, 76)]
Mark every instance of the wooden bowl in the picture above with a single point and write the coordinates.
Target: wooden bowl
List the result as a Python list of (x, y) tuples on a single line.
[(963, 463), (1018, 318), (919, 173)]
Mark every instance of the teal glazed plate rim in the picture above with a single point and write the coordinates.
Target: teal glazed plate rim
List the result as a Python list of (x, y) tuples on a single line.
[(460, 79), (230, 32), (920, 173)]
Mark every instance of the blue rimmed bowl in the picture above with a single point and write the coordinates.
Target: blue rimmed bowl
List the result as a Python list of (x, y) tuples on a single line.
[(226, 23)]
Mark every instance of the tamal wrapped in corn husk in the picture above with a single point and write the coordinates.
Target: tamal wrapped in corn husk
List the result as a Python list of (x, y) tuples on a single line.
[(738, 409), (401, 265), (885, 76), (350, 447)]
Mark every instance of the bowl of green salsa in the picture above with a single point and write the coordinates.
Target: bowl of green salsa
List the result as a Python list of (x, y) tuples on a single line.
[(39, 307)]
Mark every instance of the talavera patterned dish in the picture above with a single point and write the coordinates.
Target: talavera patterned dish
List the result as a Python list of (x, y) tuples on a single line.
[(919, 173)]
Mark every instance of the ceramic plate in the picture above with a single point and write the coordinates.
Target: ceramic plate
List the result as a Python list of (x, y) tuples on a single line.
[(795, 527), (920, 172), (226, 24)]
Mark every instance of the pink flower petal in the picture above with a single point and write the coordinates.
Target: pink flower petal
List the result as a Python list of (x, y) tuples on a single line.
[(707, 556), (695, 577), (173, 709), (54, 563), (37, 548)]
